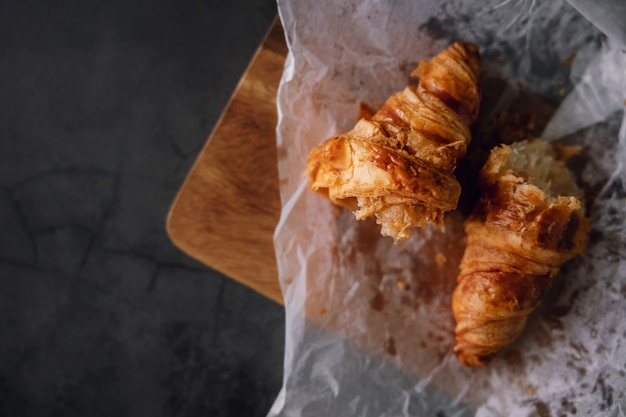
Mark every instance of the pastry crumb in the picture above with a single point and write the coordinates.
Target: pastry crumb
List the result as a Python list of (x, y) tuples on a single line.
[(440, 259), (402, 286), (365, 111), (390, 346), (528, 389)]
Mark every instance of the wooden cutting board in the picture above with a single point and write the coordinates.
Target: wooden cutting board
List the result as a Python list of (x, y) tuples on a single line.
[(227, 209)]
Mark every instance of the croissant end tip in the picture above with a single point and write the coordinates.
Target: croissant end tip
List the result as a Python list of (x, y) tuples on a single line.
[(470, 47), (472, 359)]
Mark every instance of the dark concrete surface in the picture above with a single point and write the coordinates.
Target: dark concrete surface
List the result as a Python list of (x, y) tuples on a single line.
[(104, 106)]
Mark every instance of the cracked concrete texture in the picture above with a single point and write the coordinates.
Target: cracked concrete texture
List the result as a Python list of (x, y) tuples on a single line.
[(105, 106)]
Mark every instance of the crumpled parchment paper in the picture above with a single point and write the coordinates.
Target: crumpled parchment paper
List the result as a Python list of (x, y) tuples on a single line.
[(369, 328)]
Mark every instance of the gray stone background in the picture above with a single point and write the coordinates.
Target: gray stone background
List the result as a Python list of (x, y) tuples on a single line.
[(104, 106)]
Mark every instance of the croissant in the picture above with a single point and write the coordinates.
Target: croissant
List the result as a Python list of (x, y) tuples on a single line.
[(528, 221), (398, 163)]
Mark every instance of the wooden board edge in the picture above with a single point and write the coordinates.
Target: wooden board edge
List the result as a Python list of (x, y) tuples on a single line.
[(174, 227)]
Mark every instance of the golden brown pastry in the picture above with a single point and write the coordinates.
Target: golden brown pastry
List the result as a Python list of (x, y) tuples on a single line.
[(398, 164), (528, 221)]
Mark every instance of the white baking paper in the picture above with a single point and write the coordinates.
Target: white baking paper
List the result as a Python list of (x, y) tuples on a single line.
[(369, 328)]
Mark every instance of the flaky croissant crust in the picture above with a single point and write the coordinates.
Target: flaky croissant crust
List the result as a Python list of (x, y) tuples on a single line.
[(398, 164)]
